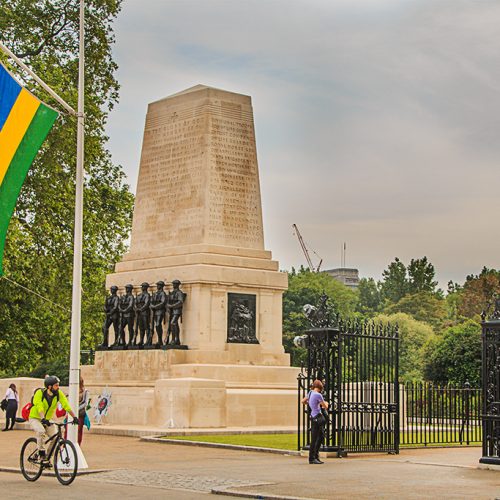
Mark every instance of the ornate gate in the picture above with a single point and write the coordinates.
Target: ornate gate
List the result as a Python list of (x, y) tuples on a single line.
[(491, 387), (358, 363)]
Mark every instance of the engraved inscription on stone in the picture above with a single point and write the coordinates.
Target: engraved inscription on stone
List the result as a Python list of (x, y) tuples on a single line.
[(198, 179)]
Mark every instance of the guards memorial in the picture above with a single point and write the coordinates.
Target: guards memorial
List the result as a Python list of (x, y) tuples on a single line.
[(198, 219)]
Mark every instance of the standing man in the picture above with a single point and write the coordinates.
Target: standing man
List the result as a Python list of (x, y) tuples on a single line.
[(176, 300), (127, 314), (112, 317), (142, 303), (318, 421), (158, 306)]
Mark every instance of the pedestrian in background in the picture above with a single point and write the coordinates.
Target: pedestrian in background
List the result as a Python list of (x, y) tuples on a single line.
[(12, 398), (84, 400)]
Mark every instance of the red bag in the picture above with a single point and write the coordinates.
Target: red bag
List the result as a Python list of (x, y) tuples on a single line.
[(60, 411), (25, 412)]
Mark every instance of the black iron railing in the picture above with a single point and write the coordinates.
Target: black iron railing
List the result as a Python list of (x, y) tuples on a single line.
[(490, 412), (429, 414), (433, 414), (87, 356)]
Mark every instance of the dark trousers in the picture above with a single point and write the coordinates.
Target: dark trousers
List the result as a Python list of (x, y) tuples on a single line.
[(10, 414), (81, 420), (317, 435)]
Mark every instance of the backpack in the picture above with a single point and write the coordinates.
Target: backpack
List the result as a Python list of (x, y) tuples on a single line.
[(25, 411)]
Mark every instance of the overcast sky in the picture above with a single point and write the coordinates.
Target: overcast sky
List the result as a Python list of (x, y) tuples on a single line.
[(377, 121)]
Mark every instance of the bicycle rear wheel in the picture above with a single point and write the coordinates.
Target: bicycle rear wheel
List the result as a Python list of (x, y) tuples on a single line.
[(31, 466), (65, 462)]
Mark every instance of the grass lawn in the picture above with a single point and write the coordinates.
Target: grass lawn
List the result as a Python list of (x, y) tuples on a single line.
[(278, 441)]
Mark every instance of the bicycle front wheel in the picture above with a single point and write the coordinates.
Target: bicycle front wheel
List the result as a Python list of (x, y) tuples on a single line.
[(65, 462), (31, 466)]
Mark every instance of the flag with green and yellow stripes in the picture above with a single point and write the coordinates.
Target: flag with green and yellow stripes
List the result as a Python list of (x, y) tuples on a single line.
[(24, 123)]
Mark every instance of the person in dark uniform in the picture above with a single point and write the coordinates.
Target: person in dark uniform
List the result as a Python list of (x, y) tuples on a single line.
[(142, 303), (112, 316), (158, 306), (127, 314), (176, 300)]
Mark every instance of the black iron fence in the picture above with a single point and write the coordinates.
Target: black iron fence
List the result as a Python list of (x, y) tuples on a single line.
[(429, 414), (490, 412), (433, 414), (87, 356)]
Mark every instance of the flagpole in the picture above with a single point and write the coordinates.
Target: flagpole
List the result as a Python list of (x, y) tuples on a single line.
[(74, 363), (35, 77)]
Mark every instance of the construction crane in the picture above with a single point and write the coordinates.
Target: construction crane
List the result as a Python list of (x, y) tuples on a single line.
[(306, 252)]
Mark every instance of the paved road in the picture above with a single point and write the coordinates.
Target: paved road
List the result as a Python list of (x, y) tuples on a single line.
[(148, 470)]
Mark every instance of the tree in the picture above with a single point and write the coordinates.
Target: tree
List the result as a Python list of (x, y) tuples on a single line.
[(395, 283), (423, 306), (413, 337), (38, 251), (306, 287), (370, 299), (421, 274), (478, 291), (455, 356), (399, 280)]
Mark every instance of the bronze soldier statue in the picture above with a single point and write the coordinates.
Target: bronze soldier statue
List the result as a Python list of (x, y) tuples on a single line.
[(176, 300), (158, 306), (127, 314), (142, 303), (112, 317)]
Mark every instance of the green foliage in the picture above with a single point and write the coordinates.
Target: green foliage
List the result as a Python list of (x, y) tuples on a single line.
[(39, 247), (306, 287), (413, 335), (370, 298), (422, 306), (421, 275), (455, 356), (58, 367), (399, 280), (395, 284), (478, 291)]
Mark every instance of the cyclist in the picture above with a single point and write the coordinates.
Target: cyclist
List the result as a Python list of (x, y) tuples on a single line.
[(44, 407)]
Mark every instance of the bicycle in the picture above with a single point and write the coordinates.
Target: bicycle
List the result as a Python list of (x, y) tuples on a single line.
[(65, 461)]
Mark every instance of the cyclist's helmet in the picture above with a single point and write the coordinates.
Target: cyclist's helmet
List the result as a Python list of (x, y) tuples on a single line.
[(51, 380)]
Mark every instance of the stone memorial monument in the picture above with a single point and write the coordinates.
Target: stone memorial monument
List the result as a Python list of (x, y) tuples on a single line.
[(198, 221)]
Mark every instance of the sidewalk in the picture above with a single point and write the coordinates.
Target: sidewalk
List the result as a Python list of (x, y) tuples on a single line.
[(190, 472)]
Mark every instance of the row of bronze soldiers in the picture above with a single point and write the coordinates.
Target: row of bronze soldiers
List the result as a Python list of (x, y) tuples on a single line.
[(147, 312)]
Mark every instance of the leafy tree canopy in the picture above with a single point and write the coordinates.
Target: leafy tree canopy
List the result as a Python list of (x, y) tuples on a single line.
[(423, 306), (455, 356), (400, 280), (39, 245), (477, 292), (413, 335), (394, 281), (370, 298)]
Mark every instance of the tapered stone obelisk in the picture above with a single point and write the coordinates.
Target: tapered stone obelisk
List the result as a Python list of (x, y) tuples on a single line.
[(198, 218)]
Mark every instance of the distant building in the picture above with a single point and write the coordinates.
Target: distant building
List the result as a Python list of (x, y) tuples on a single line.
[(349, 277)]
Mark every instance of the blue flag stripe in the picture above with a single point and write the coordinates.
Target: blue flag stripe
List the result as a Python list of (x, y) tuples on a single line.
[(9, 90)]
